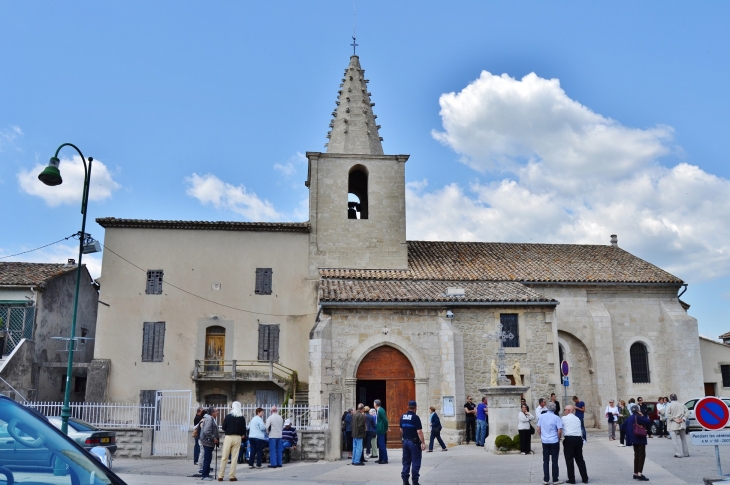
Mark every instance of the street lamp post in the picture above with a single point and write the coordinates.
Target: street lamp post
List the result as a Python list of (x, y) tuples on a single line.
[(52, 176)]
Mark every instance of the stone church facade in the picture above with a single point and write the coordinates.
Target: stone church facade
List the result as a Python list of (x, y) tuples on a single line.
[(361, 313)]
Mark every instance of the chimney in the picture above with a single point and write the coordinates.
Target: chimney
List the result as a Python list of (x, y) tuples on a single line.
[(71, 261), (614, 240)]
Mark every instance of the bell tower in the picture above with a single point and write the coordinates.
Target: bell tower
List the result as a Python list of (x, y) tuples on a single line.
[(357, 207)]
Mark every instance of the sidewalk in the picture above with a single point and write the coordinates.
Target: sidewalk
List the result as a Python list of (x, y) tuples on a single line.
[(606, 462)]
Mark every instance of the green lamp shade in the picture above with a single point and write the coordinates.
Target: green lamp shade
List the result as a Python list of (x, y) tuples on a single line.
[(51, 175)]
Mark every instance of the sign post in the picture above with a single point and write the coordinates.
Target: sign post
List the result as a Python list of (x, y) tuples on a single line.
[(565, 370), (712, 414)]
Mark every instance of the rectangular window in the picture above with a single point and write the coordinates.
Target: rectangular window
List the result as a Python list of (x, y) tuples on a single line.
[(153, 341), (263, 281), (725, 369), (269, 343), (510, 326), (154, 281)]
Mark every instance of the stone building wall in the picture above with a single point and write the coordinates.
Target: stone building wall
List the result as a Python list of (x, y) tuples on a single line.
[(449, 357), (535, 354), (338, 242)]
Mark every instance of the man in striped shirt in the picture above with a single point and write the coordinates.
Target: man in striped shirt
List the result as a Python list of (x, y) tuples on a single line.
[(290, 438)]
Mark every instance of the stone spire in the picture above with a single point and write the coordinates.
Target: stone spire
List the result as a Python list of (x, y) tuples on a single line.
[(353, 129)]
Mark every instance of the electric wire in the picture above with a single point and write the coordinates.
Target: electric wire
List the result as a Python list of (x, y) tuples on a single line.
[(36, 249), (202, 297)]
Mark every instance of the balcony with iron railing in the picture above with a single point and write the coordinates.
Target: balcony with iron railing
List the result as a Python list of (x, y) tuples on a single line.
[(243, 371)]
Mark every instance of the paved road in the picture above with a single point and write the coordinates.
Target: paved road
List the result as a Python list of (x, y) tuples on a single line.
[(607, 464)]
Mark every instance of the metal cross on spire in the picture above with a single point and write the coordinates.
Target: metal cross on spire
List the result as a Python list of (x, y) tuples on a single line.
[(354, 28), (501, 336)]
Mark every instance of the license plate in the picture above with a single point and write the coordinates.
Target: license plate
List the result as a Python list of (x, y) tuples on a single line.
[(105, 440)]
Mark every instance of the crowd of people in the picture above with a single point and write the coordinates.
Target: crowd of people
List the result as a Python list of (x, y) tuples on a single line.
[(632, 420), (241, 442)]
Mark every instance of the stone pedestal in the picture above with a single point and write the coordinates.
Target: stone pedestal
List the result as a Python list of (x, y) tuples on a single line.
[(504, 406)]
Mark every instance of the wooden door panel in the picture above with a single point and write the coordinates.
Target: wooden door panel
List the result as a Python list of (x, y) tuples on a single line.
[(215, 350), (398, 392), (385, 363)]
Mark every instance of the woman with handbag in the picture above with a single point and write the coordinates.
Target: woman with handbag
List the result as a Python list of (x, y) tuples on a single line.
[(435, 430), (612, 415), (635, 428), (525, 429)]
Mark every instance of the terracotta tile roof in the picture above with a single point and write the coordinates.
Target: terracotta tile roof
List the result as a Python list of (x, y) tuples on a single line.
[(29, 274), (476, 261), (108, 222), (724, 336), (337, 290)]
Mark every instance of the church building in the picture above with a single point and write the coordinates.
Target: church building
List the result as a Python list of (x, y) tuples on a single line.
[(350, 309)]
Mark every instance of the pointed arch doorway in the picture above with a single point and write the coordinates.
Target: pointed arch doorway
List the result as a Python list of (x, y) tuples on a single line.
[(386, 374)]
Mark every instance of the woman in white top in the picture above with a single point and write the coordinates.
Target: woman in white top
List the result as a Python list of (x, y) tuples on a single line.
[(524, 428), (612, 416)]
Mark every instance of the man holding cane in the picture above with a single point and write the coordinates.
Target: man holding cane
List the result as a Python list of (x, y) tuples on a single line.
[(209, 440)]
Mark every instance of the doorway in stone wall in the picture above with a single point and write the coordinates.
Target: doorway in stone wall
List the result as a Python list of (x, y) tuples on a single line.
[(386, 371)]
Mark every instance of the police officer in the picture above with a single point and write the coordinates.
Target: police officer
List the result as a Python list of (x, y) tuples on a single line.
[(411, 433)]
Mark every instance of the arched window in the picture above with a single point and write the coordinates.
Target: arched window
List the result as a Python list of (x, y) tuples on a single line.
[(639, 363), (357, 193)]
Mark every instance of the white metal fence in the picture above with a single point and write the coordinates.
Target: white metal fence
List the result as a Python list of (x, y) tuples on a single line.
[(303, 416), (134, 415)]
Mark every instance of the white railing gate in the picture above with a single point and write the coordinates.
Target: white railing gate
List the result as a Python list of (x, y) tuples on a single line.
[(172, 423)]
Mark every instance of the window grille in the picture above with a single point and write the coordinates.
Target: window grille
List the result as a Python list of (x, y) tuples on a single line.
[(154, 281), (510, 324), (263, 281), (269, 343), (639, 363), (725, 369), (153, 341)]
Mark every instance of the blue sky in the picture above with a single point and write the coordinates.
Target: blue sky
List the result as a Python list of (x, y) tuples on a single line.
[(202, 110)]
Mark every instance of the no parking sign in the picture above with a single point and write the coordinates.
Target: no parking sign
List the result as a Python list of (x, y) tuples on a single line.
[(712, 413)]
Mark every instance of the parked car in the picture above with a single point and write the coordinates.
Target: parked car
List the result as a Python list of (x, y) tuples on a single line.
[(653, 415), (32, 450), (692, 424), (88, 435)]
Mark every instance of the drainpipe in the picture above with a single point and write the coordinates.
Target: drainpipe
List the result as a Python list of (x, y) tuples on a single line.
[(685, 289)]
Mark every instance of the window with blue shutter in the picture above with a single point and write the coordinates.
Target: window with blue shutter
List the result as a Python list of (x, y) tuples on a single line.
[(510, 325), (153, 341), (263, 281)]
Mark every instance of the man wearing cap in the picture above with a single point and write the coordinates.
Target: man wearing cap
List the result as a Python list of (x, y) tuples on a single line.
[(411, 433), (290, 439)]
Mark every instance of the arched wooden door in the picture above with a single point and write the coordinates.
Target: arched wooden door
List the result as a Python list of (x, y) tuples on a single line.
[(386, 374)]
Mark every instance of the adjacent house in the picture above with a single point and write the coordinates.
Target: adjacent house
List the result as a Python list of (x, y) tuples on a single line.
[(36, 307)]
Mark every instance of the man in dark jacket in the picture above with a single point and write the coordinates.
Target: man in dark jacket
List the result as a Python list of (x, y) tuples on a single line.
[(234, 426), (209, 440), (358, 434), (289, 438)]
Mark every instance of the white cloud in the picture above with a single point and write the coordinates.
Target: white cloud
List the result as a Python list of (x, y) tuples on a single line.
[(59, 253), (573, 176), (69, 192), (7, 137), (209, 189), (291, 166)]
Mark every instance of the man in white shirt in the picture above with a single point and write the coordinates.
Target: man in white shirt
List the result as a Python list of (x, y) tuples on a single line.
[(549, 427), (573, 444), (540, 409)]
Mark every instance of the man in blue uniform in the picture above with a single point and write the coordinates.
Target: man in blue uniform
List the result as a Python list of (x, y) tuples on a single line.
[(411, 432)]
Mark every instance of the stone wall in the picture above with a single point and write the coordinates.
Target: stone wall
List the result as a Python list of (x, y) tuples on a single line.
[(449, 357), (312, 445), (133, 442)]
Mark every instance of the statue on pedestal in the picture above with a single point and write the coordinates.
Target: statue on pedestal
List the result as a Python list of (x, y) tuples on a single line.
[(495, 372), (516, 373)]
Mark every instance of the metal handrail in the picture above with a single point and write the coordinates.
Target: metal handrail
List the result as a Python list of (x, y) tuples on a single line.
[(218, 367)]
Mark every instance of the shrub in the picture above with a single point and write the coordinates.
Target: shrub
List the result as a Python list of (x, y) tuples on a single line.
[(516, 442), (503, 442)]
